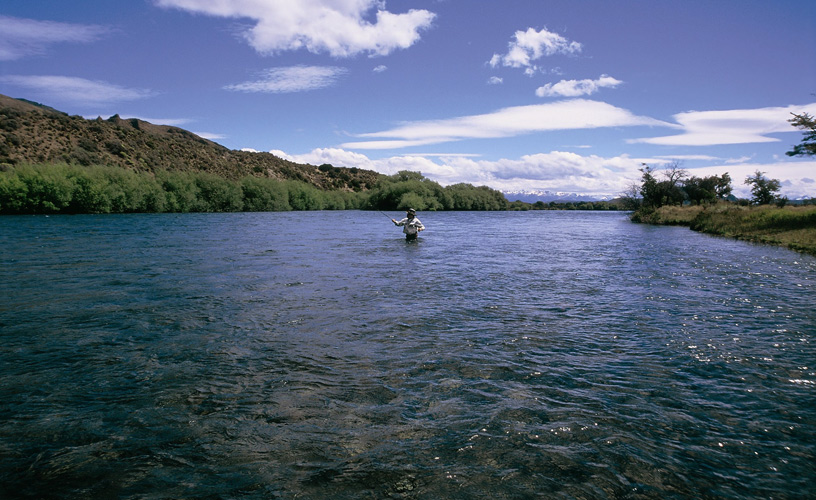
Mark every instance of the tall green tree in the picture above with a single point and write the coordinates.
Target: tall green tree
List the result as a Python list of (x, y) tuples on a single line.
[(707, 189), (722, 186), (764, 190), (807, 123), (668, 191)]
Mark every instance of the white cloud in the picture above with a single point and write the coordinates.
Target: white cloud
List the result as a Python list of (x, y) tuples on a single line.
[(741, 159), (27, 37), (74, 90), (340, 28), (210, 135), (576, 88), (557, 171), (554, 171), (495, 80), (334, 156), (531, 45), (380, 68), (738, 126), (292, 79), (507, 122)]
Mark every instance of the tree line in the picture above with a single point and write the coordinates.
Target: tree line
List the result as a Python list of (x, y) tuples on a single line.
[(71, 188), (74, 189), (407, 189), (675, 187), (566, 205)]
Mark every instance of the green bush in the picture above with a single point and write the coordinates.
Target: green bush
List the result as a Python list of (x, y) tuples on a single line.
[(180, 191), (67, 188), (264, 195), (13, 193), (303, 196), (467, 197), (334, 200), (90, 195), (217, 194), (412, 190), (48, 189)]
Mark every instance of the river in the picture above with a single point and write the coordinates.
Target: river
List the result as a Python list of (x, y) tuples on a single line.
[(503, 355)]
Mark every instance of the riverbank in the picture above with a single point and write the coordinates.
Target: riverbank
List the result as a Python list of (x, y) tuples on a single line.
[(791, 226)]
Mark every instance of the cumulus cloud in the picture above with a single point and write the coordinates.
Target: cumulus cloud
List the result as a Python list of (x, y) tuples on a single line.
[(67, 89), (556, 171), (334, 156), (495, 80), (507, 122), (531, 45), (341, 28), (737, 126), (380, 68), (27, 37), (576, 88), (291, 79)]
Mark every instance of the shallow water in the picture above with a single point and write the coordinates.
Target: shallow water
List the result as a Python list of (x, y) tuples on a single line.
[(318, 355)]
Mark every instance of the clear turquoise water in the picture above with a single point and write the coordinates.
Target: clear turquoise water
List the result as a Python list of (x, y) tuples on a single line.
[(319, 355)]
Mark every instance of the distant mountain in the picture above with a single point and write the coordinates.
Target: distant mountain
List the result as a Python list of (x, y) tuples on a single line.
[(533, 196), (33, 133)]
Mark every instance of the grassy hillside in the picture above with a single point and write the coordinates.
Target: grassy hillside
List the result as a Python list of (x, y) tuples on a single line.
[(790, 226), (31, 133)]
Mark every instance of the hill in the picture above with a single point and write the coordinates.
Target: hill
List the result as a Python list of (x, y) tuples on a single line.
[(32, 133)]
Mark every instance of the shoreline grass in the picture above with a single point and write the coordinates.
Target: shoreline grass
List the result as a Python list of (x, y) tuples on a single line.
[(792, 227)]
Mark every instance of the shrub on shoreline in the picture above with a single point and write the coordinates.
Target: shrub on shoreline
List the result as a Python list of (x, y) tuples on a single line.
[(74, 189)]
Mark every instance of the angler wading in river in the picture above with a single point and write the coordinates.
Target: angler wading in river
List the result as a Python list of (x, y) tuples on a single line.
[(411, 225)]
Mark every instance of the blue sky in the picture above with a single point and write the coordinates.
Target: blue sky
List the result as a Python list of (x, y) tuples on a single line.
[(564, 96)]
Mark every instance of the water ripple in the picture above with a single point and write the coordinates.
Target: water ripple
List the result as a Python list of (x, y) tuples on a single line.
[(570, 355)]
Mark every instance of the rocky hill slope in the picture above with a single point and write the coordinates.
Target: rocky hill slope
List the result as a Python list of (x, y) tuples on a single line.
[(34, 133)]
